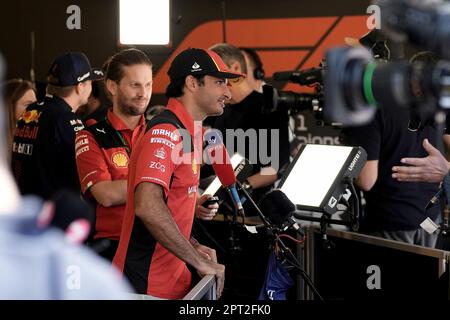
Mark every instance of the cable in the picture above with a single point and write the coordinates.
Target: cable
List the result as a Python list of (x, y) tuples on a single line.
[(289, 256), (283, 235), (287, 253)]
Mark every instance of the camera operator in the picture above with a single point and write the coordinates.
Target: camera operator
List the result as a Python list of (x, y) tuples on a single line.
[(394, 210), (246, 111), (255, 71), (434, 166)]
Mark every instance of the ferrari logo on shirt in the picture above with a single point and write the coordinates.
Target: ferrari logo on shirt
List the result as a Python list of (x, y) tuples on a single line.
[(160, 153), (120, 160)]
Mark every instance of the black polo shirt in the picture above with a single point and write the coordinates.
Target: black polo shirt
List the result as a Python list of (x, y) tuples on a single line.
[(43, 159), (248, 114), (393, 205)]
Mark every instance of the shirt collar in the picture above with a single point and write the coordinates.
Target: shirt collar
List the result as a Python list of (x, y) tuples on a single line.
[(59, 101), (117, 123), (180, 111)]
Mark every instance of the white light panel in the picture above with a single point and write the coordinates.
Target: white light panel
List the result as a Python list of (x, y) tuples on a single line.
[(144, 22), (314, 173)]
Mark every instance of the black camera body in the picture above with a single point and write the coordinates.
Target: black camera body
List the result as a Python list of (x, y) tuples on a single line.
[(351, 84), (425, 24), (297, 102), (355, 84)]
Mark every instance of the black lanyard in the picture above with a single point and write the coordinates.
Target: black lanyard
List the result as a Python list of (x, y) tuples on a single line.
[(121, 138)]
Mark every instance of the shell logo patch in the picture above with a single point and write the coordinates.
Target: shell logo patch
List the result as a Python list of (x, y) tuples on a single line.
[(120, 160)]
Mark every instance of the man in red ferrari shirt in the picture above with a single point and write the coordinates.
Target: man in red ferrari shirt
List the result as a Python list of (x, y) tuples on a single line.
[(163, 183), (103, 149)]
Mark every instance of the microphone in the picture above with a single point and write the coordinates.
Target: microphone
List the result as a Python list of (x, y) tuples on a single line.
[(279, 209), (220, 161), (303, 77)]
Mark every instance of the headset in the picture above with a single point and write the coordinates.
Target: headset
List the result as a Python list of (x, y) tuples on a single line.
[(259, 72)]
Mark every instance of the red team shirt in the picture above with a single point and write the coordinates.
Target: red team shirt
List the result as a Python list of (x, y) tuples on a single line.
[(97, 164), (150, 267)]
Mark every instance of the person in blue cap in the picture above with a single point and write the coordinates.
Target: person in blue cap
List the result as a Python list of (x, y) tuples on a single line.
[(43, 152)]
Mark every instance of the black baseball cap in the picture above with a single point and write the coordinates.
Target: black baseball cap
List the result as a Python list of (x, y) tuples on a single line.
[(72, 68), (194, 61)]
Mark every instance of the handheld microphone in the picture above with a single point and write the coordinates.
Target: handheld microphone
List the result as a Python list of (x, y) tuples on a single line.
[(279, 209), (220, 161)]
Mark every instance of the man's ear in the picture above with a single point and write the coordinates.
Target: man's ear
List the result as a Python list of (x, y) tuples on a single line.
[(78, 88), (236, 67), (191, 83), (111, 86), (81, 87)]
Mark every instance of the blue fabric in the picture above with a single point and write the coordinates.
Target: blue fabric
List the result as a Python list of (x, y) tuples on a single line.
[(277, 281), (40, 264)]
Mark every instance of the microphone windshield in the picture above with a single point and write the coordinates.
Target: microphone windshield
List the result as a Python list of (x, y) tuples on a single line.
[(276, 206)]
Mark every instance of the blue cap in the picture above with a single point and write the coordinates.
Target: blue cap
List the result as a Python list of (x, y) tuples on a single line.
[(72, 68)]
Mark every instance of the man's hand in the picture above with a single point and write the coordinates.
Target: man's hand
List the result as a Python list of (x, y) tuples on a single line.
[(206, 252), (432, 168), (210, 267), (205, 213)]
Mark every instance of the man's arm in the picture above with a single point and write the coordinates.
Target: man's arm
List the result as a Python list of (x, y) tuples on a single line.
[(432, 168), (94, 174), (110, 193), (368, 176), (446, 138), (154, 213), (264, 178), (205, 213)]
